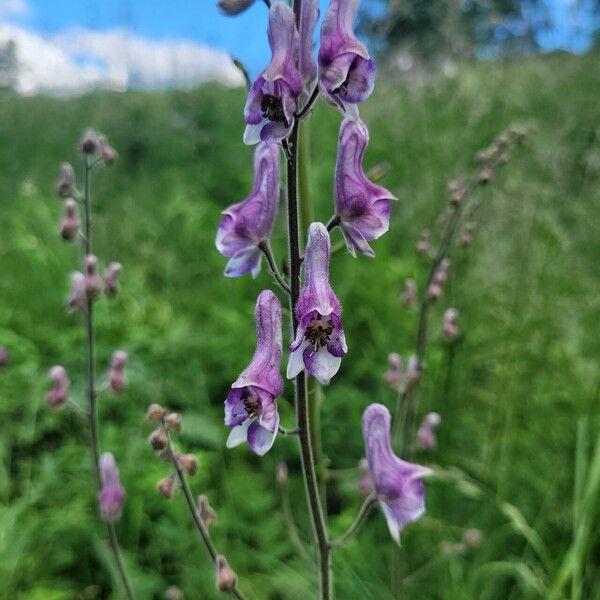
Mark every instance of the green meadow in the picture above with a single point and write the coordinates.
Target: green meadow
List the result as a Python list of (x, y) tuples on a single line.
[(518, 453)]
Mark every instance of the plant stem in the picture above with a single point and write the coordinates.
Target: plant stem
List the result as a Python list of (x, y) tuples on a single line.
[(301, 400), (363, 513), (200, 526), (91, 386), (265, 247)]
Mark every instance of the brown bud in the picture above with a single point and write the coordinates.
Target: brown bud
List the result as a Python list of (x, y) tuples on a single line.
[(89, 141), (207, 513), (226, 577), (70, 224), (158, 439), (166, 486), (155, 413), (485, 175), (111, 276), (107, 152), (189, 463), (65, 184), (93, 282), (173, 422)]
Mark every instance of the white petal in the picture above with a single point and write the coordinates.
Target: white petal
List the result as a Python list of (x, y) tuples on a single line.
[(296, 361), (391, 521), (238, 434), (252, 133)]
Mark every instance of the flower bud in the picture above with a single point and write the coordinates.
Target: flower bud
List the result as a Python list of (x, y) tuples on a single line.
[(155, 413), (166, 486), (424, 244), (440, 277), (107, 152), (93, 281), (485, 175), (426, 438), (207, 513), (117, 381), (231, 8), (65, 184), (226, 577), (409, 295), (70, 224), (189, 463), (112, 494), (394, 377), (173, 422), (466, 235), (77, 295), (281, 472), (414, 370), (111, 276), (59, 392), (3, 356), (173, 593), (89, 142), (449, 327), (458, 190), (472, 537), (158, 439)]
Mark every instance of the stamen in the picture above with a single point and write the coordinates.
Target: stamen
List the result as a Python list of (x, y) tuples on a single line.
[(318, 333), (251, 404), (272, 109)]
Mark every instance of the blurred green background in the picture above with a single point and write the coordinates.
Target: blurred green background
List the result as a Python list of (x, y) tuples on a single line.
[(511, 392)]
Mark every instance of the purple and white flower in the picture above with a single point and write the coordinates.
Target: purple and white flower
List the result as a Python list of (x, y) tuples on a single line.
[(112, 494), (362, 208), (251, 405), (273, 98), (346, 72), (320, 342), (397, 483), (246, 224)]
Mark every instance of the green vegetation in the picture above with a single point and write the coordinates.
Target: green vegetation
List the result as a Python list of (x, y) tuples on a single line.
[(514, 462)]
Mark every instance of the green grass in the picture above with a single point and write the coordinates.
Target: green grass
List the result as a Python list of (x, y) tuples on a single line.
[(524, 373)]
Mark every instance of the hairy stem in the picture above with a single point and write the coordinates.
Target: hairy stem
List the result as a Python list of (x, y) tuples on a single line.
[(363, 513), (265, 247), (91, 385), (301, 399)]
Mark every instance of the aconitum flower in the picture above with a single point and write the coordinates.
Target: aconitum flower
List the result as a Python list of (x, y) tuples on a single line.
[(362, 208), (112, 494), (273, 98), (309, 13), (397, 483), (346, 73), (251, 405), (320, 342), (426, 438), (245, 225)]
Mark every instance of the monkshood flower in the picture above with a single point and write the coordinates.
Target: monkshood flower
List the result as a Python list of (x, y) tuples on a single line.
[(346, 73), (309, 13), (362, 208), (251, 405), (245, 225), (320, 342), (112, 494), (397, 483), (272, 99)]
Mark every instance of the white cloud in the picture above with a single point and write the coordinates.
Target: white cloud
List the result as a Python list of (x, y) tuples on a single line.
[(77, 60), (14, 8)]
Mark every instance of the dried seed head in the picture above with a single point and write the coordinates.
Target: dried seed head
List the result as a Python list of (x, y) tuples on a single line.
[(155, 413), (158, 439), (226, 577), (173, 422), (207, 513), (189, 463)]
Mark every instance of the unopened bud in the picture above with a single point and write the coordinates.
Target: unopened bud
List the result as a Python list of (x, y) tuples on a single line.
[(59, 392), (173, 593), (155, 413), (409, 295), (189, 463), (449, 327), (166, 486), (394, 376), (77, 295), (89, 141), (65, 184), (414, 370), (207, 513), (107, 152), (93, 281), (173, 422), (70, 224), (485, 175), (426, 438), (111, 276), (466, 235), (458, 190), (226, 577), (231, 8), (281, 472), (3, 356), (158, 439), (117, 381), (486, 155), (424, 244), (472, 537)]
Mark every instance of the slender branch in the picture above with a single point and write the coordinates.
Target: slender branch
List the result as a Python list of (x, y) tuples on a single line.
[(200, 526), (91, 384), (361, 517), (304, 112), (333, 222), (265, 247), (267, 3), (286, 432), (301, 400)]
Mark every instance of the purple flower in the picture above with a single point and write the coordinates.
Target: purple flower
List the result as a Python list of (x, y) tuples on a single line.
[(320, 342), (362, 207), (347, 74), (397, 483), (272, 99), (309, 13), (245, 225), (112, 494), (251, 407)]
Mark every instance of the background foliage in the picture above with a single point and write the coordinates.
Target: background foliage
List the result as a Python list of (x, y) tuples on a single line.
[(511, 392)]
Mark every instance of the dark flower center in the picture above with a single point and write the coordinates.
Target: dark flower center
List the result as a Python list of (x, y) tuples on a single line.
[(272, 109), (318, 333), (251, 405)]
